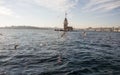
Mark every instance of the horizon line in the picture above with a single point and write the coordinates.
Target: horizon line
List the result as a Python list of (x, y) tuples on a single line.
[(58, 27)]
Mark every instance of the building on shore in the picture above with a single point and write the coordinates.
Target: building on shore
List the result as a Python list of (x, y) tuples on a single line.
[(107, 29), (65, 25)]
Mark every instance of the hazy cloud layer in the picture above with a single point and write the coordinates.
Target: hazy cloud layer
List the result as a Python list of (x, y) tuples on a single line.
[(4, 10), (58, 5), (101, 5), (65, 5)]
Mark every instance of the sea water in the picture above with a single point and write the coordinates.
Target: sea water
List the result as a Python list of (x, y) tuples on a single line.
[(39, 52)]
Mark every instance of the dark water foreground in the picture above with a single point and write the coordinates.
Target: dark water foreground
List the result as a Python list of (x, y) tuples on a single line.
[(43, 52)]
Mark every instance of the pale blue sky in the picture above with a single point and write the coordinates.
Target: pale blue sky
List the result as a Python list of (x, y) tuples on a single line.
[(50, 13)]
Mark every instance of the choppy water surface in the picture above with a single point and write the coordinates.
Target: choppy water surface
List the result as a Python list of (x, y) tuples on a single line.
[(43, 52)]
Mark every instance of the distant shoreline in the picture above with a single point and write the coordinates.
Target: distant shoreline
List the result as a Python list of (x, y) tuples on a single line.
[(104, 29), (24, 27)]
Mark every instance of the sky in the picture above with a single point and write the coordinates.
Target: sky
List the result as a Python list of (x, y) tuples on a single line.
[(51, 13)]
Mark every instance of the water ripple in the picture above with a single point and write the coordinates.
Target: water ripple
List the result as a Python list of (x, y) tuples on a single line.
[(43, 52)]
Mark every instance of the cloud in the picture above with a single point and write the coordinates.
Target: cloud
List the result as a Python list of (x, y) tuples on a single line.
[(4, 10), (57, 5), (101, 5), (1, 2)]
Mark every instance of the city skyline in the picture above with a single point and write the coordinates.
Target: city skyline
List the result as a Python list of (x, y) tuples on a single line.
[(47, 13)]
